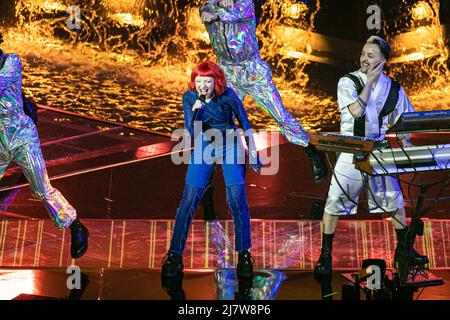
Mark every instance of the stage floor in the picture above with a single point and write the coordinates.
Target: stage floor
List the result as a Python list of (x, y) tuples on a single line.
[(136, 284), (276, 244), (126, 189), (109, 170)]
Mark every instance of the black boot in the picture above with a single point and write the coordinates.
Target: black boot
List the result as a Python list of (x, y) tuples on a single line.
[(174, 286), (79, 241), (318, 164), (172, 264), (244, 267), (324, 264), (209, 213), (401, 253)]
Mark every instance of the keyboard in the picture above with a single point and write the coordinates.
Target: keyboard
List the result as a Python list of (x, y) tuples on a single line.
[(345, 143), (426, 121), (408, 160)]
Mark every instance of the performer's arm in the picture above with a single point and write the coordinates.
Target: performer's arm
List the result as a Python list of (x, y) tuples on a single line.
[(358, 107), (347, 98), (10, 73), (241, 115), (238, 109)]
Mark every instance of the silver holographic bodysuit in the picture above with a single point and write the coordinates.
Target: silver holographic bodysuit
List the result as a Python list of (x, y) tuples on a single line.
[(19, 143), (233, 39)]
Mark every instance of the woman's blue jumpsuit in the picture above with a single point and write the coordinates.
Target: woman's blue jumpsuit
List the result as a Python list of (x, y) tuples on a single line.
[(219, 114)]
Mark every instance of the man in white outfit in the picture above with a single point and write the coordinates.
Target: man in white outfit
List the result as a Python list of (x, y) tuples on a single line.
[(368, 101)]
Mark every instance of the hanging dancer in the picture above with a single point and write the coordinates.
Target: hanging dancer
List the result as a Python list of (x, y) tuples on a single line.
[(231, 26), (19, 143)]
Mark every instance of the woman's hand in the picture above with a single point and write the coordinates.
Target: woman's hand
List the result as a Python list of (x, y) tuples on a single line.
[(198, 105), (255, 162)]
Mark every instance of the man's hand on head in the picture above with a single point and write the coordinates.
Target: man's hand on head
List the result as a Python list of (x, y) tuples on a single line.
[(374, 73)]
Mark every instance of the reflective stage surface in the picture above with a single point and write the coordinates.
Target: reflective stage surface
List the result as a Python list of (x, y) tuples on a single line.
[(108, 170), (101, 284), (126, 189), (276, 244)]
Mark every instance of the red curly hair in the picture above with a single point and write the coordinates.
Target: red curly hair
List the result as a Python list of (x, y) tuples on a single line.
[(209, 69)]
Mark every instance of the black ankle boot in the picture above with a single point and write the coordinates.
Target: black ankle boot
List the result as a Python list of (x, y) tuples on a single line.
[(324, 264), (318, 165), (172, 264), (401, 253), (244, 267), (174, 286), (209, 213), (79, 241)]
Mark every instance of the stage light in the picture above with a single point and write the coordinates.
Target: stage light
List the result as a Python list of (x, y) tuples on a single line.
[(14, 283), (294, 10), (126, 18), (422, 10)]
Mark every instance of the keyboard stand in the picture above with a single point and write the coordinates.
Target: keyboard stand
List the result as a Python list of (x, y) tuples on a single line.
[(391, 288)]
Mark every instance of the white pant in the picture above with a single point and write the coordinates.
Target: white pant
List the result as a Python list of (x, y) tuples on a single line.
[(383, 192)]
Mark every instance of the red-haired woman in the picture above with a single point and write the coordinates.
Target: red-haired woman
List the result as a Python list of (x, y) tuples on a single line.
[(217, 108)]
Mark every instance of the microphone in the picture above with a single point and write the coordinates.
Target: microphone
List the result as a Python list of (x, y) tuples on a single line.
[(202, 98)]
